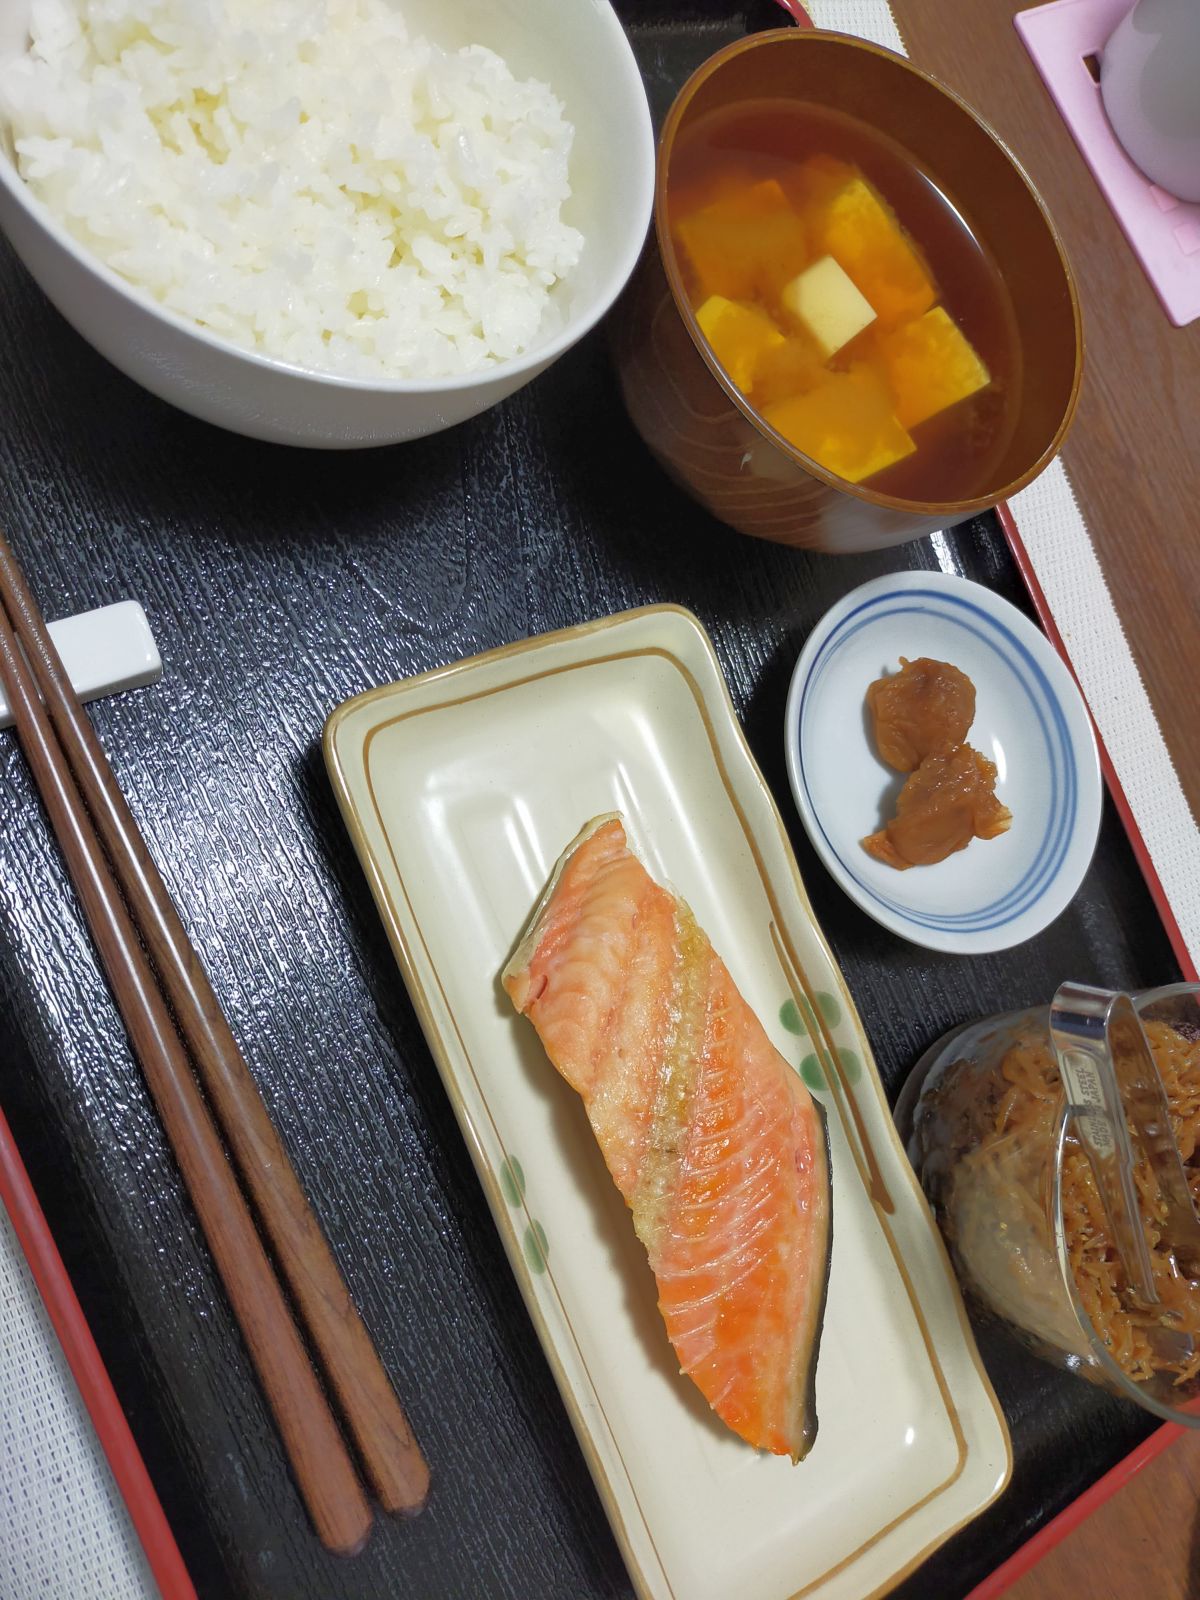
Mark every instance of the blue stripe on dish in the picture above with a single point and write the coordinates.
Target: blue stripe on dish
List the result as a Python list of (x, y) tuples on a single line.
[(1060, 753)]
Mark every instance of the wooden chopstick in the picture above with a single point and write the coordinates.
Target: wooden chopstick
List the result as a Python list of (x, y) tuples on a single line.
[(390, 1456), (323, 1469)]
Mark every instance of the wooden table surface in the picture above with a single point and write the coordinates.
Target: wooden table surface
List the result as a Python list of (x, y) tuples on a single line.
[(1133, 453), (1134, 462), (1144, 1541)]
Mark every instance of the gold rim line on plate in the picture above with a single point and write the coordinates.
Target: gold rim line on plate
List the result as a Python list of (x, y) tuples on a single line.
[(865, 1161)]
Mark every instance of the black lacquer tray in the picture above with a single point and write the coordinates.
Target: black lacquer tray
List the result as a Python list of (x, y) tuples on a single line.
[(279, 583)]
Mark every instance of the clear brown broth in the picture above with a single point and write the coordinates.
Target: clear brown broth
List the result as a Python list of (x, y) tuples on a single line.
[(959, 451)]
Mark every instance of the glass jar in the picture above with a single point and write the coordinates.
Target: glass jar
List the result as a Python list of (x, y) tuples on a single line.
[(989, 1132)]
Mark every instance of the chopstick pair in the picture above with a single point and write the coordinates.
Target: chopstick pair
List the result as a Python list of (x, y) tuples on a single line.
[(153, 971)]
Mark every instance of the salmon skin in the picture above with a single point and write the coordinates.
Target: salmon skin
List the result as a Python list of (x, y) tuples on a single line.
[(714, 1141)]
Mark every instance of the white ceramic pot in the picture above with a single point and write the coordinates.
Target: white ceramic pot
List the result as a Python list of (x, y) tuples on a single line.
[(578, 47), (1150, 82)]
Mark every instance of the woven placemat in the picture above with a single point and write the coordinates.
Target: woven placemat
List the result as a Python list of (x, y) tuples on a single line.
[(66, 1534)]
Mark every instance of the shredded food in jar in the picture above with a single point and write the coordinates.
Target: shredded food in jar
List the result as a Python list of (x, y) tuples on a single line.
[(1027, 1106)]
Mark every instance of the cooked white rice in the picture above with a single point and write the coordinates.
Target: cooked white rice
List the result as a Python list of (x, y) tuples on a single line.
[(302, 177)]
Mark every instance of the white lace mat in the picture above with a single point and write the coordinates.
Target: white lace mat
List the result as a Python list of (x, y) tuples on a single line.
[(64, 1531)]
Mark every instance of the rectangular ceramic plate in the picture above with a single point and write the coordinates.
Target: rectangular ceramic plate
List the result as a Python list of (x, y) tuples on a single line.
[(461, 788)]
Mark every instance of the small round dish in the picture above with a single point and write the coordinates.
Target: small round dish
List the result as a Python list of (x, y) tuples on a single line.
[(1030, 719)]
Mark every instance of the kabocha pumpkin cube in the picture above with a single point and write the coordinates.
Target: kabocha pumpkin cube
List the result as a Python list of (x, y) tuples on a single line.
[(846, 424), (793, 367), (739, 336), (746, 243), (930, 365), (856, 227), (824, 301), (818, 180)]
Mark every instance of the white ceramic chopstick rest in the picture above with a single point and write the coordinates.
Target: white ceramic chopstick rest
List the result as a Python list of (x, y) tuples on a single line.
[(104, 652)]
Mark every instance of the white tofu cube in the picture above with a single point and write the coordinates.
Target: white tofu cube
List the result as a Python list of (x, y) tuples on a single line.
[(824, 300)]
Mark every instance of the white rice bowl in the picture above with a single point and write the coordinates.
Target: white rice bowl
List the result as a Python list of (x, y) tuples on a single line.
[(305, 179)]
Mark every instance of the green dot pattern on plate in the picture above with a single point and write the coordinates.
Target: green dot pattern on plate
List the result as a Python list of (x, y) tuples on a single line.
[(810, 1071), (830, 1010), (512, 1180), (851, 1065), (797, 1017), (789, 1017), (537, 1247)]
